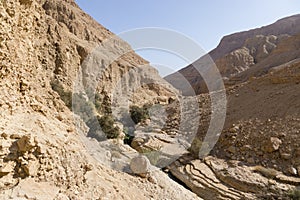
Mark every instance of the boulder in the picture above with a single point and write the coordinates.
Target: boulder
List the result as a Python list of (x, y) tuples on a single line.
[(140, 165)]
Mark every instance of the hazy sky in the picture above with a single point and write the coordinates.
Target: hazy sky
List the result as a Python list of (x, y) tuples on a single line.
[(204, 21)]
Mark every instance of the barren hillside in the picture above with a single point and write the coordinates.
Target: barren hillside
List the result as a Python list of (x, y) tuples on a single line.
[(258, 150), (249, 53)]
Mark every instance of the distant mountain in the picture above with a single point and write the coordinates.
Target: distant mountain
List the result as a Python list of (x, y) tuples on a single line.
[(246, 54)]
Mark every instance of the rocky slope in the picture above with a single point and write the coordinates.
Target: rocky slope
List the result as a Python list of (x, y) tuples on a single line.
[(249, 53), (257, 154), (43, 50)]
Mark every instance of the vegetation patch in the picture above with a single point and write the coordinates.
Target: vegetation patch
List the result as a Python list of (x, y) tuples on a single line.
[(295, 194), (139, 114)]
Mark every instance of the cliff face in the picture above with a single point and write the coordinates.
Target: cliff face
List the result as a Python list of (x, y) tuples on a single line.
[(261, 49), (56, 36), (288, 25), (43, 47), (52, 50)]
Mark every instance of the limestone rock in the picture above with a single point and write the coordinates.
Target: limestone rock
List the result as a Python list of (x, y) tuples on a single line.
[(292, 170), (234, 129), (32, 167), (239, 61), (30, 189), (205, 182), (44, 46), (140, 165), (286, 156), (7, 168), (220, 179)]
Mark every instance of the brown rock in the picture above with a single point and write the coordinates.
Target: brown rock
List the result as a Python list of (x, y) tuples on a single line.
[(42, 47), (272, 144), (246, 54), (137, 142), (15, 136), (25, 143), (152, 179), (250, 160), (4, 135), (286, 156)]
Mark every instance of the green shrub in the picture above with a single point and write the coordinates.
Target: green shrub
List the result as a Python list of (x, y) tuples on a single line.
[(129, 135), (195, 146), (107, 125), (98, 102), (295, 194), (88, 110), (95, 130), (138, 114)]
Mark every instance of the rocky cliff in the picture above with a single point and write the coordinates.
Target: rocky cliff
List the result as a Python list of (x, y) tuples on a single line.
[(44, 46), (236, 55)]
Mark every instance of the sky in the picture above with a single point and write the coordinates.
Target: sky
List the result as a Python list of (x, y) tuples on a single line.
[(203, 21)]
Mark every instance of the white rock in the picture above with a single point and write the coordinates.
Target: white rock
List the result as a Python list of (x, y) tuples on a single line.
[(33, 190), (140, 165)]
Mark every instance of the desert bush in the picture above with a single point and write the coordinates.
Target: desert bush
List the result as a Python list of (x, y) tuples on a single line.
[(195, 146), (107, 125), (153, 156), (295, 194), (95, 130), (82, 105), (104, 124), (139, 114), (129, 135)]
